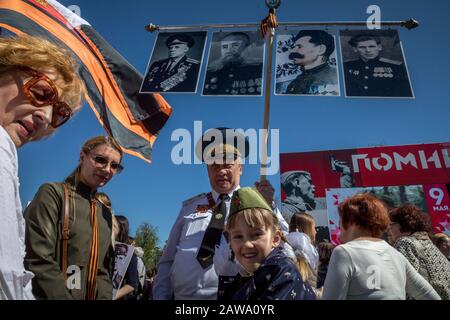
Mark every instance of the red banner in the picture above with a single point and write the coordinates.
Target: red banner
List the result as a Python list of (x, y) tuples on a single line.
[(306, 176), (438, 204)]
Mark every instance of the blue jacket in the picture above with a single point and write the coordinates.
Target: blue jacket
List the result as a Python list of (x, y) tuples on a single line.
[(276, 279)]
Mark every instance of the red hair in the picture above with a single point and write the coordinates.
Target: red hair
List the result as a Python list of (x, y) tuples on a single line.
[(365, 211), (411, 218)]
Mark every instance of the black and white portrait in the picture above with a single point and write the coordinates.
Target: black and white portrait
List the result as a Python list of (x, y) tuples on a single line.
[(306, 63), (175, 63), (235, 64), (374, 64)]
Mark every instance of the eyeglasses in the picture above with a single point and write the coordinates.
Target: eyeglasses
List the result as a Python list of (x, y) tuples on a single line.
[(117, 167), (41, 91)]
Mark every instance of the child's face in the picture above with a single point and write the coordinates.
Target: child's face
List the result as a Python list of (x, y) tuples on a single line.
[(252, 245)]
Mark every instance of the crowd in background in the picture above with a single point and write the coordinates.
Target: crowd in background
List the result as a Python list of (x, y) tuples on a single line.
[(69, 245)]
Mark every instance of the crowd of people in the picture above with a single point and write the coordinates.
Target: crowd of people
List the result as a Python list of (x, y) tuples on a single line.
[(230, 243)]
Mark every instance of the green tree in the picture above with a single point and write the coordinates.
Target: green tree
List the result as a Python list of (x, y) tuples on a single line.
[(147, 239)]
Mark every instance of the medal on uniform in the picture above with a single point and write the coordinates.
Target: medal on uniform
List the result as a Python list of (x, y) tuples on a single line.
[(202, 208)]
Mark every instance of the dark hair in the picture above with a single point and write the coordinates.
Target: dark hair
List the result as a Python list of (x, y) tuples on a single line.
[(238, 34), (123, 237), (151, 272), (365, 211), (318, 37), (325, 249), (411, 218), (363, 37)]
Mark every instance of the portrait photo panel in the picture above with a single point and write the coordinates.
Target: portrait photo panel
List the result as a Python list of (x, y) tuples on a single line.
[(306, 63), (175, 63), (235, 64), (374, 64)]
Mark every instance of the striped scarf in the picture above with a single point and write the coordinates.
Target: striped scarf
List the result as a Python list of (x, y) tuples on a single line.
[(93, 257)]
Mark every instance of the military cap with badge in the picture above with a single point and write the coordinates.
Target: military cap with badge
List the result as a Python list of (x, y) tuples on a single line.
[(180, 38), (247, 198), (287, 176)]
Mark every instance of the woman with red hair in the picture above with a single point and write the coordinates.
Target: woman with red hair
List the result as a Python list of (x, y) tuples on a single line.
[(365, 267)]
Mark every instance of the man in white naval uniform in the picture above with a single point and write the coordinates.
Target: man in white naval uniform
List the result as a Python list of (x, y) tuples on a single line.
[(182, 273)]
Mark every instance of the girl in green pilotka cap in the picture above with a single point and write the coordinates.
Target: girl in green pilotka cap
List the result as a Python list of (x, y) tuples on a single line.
[(255, 238)]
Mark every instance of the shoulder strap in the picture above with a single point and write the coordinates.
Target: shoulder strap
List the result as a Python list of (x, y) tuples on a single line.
[(211, 201), (65, 230)]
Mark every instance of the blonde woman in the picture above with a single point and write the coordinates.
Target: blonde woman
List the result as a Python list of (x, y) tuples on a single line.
[(301, 237), (89, 255), (39, 91)]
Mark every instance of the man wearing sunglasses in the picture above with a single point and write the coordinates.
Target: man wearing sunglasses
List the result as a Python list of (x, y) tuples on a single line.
[(39, 91)]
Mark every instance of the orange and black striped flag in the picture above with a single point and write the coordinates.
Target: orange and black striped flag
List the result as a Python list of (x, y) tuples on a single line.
[(133, 119)]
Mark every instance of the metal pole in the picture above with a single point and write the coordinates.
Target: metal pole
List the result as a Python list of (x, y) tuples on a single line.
[(409, 24), (267, 93)]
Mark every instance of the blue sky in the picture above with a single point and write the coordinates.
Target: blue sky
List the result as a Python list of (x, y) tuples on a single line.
[(154, 193)]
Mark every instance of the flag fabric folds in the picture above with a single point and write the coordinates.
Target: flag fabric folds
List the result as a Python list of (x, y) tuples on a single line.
[(133, 119)]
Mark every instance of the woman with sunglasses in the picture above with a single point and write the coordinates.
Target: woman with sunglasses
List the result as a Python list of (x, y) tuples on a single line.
[(39, 91), (79, 267)]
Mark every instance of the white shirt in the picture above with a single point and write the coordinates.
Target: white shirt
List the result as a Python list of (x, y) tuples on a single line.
[(141, 271), (373, 270), (15, 281), (179, 272)]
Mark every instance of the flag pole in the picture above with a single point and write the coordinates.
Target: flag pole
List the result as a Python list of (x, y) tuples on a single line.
[(267, 93), (408, 24)]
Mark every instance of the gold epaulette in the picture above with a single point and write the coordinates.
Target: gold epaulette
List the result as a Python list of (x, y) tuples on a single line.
[(192, 60), (391, 61)]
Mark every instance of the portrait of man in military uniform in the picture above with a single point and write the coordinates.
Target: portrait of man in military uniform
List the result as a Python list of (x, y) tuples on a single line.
[(300, 197), (306, 64), (235, 64), (374, 64), (301, 194), (175, 63)]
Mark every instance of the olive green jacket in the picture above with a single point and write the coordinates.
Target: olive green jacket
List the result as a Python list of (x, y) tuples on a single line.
[(43, 244)]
